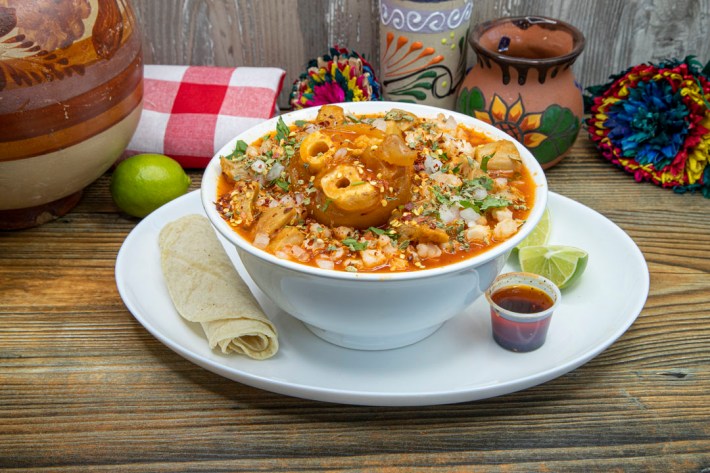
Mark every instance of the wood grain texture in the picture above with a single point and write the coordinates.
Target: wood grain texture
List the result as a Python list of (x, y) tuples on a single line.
[(84, 387), (286, 34)]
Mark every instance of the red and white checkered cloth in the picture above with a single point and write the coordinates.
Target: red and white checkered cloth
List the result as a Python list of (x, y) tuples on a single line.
[(190, 112)]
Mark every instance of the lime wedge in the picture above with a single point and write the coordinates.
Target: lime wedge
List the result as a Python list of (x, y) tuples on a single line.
[(562, 265), (540, 234)]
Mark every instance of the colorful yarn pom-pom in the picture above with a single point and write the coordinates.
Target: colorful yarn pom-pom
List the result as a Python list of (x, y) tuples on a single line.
[(342, 76), (653, 120)]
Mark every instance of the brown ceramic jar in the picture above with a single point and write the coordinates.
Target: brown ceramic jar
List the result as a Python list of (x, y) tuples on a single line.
[(71, 87), (523, 83)]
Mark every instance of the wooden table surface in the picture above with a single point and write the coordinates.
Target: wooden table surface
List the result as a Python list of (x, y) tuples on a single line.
[(84, 387)]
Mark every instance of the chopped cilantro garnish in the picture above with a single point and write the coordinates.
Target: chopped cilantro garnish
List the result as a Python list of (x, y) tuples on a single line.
[(379, 231), (357, 183), (326, 204), (442, 198), (239, 150), (300, 123), (483, 182), (403, 244), (354, 245), (398, 115), (467, 204), (282, 184), (492, 201), (282, 130), (484, 162), (241, 147)]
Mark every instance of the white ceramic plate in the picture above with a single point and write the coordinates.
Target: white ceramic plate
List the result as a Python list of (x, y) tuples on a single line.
[(460, 362)]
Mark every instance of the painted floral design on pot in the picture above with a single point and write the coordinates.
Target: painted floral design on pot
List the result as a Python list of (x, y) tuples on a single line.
[(71, 88), (523, 84), (423, 49)]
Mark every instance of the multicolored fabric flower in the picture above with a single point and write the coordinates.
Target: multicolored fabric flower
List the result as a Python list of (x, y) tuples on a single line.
[(653, 120), (342, 76)]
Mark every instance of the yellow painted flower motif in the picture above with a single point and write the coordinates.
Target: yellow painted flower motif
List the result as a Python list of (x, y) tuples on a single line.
[(514, 121), (700, 156)]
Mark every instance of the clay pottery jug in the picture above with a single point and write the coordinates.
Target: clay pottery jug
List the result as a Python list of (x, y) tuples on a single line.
[(523, 83), (71, 88), (423, 47)]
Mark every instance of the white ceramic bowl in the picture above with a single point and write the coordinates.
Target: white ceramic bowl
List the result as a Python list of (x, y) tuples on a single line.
[(372, 311)]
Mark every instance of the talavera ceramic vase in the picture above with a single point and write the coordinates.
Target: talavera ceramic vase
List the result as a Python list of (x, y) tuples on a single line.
[(523, 83), (71, 88), (423, 45)]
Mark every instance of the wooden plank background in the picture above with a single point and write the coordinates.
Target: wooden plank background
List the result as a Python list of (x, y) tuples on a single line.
[(287, 33)]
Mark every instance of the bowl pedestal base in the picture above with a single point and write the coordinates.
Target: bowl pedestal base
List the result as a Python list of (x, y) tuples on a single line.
[(365, 342), (17, 219)]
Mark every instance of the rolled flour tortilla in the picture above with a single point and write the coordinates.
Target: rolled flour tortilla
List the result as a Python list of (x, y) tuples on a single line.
[(206, 288)]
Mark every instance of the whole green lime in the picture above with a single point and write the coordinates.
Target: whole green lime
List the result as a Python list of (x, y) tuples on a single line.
[(144, 182)]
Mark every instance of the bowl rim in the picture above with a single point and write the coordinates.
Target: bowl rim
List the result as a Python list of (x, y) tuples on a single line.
[(213, 170)]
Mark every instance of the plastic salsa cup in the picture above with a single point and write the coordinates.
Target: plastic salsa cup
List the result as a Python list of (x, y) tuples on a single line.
[(521, 310)]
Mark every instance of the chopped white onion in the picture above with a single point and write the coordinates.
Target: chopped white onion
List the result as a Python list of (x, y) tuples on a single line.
[(325, 264), (287, 201), (340, 153), (380, 124), (448, 214), (258, 166), (470, 216), (299, 253), (261, 240), (450, 123), (275, 172), (432, 165), (445, 178), (480, 194)]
